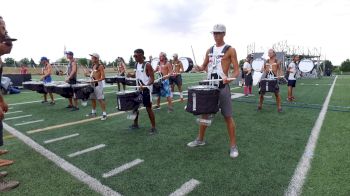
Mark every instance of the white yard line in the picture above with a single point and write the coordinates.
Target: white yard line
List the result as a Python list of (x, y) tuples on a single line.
[(28, 102), (29, 122), (186, 188), (87, 150), (61, 138), (14, 112), (122, 168), (93, 183), (300, 173), (18, 117)]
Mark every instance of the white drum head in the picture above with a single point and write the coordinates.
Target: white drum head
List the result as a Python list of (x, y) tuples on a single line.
[(187, 63), (154, 63), (306, 65), (256, 77), (258, 64)]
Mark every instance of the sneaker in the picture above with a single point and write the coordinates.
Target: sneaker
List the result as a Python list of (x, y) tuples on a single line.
[(52, 103), (246, 95), (4, 162), (44, 101), (91, 115), (104, 117), (196, 143), (279, 110), (234, 152), (75, 109), (133, 127), (156, 107), (69, 106), (152, 131), (3, 174), (251, 95), (259, 108), (8, 185)]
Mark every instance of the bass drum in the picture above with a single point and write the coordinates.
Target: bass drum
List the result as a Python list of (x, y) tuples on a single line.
[(258, 64), (154, 63), (306, 65), (257, 75), (187, 63)]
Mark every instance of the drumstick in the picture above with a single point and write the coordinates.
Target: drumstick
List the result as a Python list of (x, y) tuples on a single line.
[(214, 80), (139, 86), (161, 78)]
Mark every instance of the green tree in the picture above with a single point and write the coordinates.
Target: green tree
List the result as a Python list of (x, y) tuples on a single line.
[(32, 63), (131, 63), (9, 61), (327, 67), (84, 61), (241, 62), (345, 66), (63, 60), (24, 61)]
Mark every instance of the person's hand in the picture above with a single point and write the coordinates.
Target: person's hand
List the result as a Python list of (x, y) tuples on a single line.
[(225, 80), (4, 107)]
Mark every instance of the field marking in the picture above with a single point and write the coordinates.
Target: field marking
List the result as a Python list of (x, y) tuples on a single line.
[(300, 173), (122, 168), (18, 117), (14, 112), (30, 122), (86, 150), (236, 95), (10, 108), (186, 188), (61, 138), (84, 121), (80, 175)]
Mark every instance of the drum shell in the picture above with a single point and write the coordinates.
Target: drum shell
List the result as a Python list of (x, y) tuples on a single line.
[(203, 101), (120, 79), (49, 88), (156, 87), (111, 79), (130, 82), (28, 85), (269, 86), (38, 87), (203, 83), (126, 100), (65, 91), (82, 91)]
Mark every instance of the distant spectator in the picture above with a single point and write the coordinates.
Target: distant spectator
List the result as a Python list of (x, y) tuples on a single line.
[(24, 69)]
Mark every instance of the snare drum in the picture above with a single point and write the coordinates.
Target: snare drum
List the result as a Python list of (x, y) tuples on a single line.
[(28, 85), (269, 85), (37, 86), (50, 87), (156, 87), (120, 79), (203, 99), (82, 91), (126, 100), (203, 83), (130, 81), (111, 79), (65, 90)]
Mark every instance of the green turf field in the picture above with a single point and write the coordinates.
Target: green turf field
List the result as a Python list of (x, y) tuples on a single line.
[(270, 146)]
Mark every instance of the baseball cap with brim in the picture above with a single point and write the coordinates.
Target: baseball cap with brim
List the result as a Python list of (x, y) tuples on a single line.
[(9, 39), (44, 59), (95, 55), (70, 53), (219, 28)]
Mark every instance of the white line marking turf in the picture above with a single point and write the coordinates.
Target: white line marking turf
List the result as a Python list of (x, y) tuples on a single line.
[(186, 188), (61, 138), (122, 168), (87, 150), (300, 173), (29, 122), (18, 117), (14, 112), (80, 175)]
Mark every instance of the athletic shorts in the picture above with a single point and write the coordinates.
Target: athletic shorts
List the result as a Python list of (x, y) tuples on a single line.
[(1, 134), (292, 83), (248, 80), (98, 92), (225, 102), (176, 80), (165, 89), (146, 98)]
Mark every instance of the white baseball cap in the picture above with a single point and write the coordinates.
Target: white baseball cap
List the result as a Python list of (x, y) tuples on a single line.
[(219, 28), (95, 55)]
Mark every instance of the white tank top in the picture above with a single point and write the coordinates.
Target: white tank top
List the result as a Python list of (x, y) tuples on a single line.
[(141, 74), (214, 65)]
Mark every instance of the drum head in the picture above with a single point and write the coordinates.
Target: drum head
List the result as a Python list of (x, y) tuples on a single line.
[(187, 63), (256, 77), (258, 64), (154, 63), (306, 65), (126, 92), (203, 87)]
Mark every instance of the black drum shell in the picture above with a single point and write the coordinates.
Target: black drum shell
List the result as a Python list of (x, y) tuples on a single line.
[(207, 100), (126, 100), (65, 91)]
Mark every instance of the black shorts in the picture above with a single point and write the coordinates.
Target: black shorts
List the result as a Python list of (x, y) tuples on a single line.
[(1, 134), (146, 98), (292, 83), (175, 80), (248, 80), (72, 81)]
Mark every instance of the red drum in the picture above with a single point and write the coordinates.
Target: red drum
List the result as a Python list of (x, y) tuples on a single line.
[(203, 99), (126, 100)]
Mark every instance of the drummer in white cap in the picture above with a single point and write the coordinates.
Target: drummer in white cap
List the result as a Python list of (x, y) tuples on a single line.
[(218, 59), (176, 77)]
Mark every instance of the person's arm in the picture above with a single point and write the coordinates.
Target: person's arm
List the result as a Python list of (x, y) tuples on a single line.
[(279, 70), (150, 73), (181, 70), (234, 61), (170, 68), (74, 70), (102, 71)]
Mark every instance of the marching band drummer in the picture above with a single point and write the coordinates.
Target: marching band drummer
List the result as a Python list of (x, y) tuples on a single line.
[(248, 79), (272, 69), (121, 71), (165, 68), (144, 73), (72, 79), (292, 70), (218, 59), (97, 74), (176, 77), (46, 78)]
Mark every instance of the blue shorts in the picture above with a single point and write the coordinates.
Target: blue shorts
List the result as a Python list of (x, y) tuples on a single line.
[(47, 79), (165, 89)]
